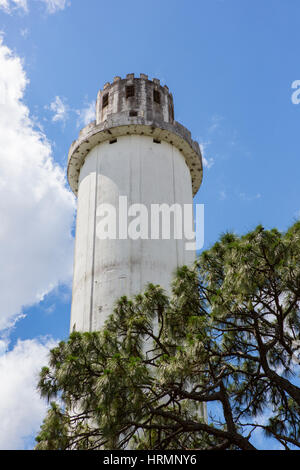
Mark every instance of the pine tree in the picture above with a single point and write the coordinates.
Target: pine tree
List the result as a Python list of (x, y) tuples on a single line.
[(227, 338)]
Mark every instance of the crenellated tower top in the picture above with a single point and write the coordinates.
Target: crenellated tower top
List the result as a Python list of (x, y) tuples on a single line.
[(133, 97), (135, 106)]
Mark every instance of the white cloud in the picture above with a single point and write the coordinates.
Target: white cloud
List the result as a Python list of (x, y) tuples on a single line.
[(207, 162), (21, 408), (215, 123), (36, 208), (52, 6), (87, 114), (60, 110), (4, 4), (10, 5), (55, 5)]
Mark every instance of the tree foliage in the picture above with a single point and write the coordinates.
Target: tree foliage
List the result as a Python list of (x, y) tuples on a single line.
[(226, 340)]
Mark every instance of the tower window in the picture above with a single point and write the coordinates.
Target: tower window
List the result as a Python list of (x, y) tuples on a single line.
[(156, 96), (105, 100), (133, 113), (129, 91)]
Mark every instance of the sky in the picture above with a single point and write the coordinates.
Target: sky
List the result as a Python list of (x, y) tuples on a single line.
[(232, 66)]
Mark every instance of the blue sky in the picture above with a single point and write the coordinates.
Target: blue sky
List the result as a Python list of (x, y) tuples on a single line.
[(230, 65)]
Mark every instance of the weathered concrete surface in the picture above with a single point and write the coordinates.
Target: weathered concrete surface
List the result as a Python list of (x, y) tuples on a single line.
[(105, 270), (146, 97)]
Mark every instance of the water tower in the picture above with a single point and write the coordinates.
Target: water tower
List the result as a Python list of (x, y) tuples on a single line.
[(137, 151)]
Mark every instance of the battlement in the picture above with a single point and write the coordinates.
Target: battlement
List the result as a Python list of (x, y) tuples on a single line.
[(135, 106), (135, 97)]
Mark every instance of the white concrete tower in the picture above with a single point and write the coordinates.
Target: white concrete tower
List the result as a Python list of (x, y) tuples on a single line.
[(133, 149)]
